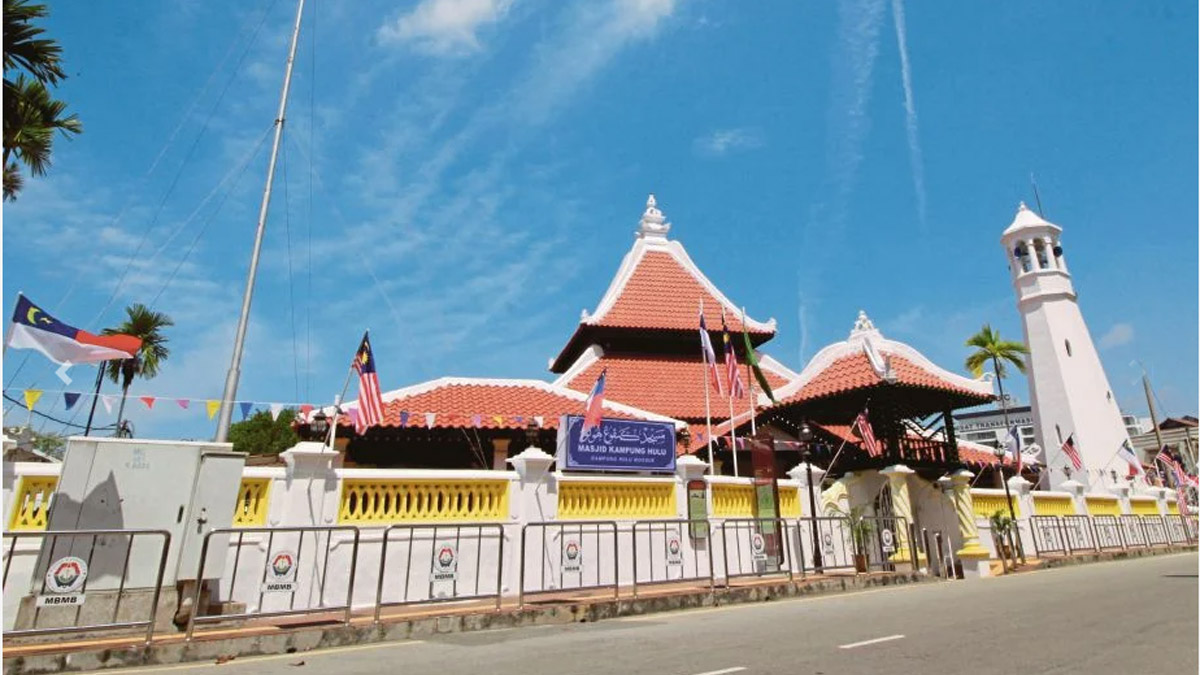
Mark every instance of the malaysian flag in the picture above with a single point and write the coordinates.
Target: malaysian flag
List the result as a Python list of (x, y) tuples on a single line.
[(862, 426), (370, 399), (1012, 446), (736, 388), (594, 408), (1181, 477), (1072, 452), (710, 357)]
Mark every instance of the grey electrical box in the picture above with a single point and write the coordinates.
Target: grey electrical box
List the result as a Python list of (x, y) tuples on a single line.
[(186, 488)]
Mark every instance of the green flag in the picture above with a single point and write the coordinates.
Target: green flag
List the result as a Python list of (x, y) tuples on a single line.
[(752, 361)]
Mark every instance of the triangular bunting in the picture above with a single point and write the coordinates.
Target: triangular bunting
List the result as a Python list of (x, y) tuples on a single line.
[(31, 397), (476, 420), (211, 407), (403, 418), (305, 409), (520, 419), (539, 420), (148, 400), (499, 419), (276, 408), (69, 399), (108, 402), (183, 403), (245, 405), (429, 418)]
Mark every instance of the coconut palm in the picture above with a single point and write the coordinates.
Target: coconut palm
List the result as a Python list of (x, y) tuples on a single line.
[(31, 115), (147, 325), (990, 348)]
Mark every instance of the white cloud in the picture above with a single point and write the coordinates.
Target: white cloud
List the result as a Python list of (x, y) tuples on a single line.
[(722, 141), (445, 27), (910, 109), (1120, 334)]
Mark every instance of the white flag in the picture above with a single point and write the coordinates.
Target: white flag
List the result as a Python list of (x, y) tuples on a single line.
[(108, 402), (276, 408)]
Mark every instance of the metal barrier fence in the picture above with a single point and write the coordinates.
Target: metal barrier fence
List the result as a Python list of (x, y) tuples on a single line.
[(1079, 533), (1191, 527), (1177, 529), (1048, 535), (662, 549), (761, 547), (563, 550), (1108, 533), (67, 567), (832, 548), (451, 563), (1156, 531), (885, 542), (1135, 534), (288, 577)]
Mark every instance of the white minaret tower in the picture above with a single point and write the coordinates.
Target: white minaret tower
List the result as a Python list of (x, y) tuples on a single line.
[(1068, 390)]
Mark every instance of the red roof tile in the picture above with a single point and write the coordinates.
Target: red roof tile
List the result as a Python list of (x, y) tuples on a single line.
[(668, 385), (854, 371), (662, 294), (490, 404)]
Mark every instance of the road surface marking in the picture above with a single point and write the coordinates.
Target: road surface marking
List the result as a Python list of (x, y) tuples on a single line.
[(864, 643), (723, 671), (211, 663)]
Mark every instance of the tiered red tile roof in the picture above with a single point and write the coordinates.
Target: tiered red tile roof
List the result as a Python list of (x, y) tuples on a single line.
[(491, 404), (854, 371), (669, 385)]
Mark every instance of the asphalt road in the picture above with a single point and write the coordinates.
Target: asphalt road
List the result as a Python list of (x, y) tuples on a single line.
[(1135, 616)]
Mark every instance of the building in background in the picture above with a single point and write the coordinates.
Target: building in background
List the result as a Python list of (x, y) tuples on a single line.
[(1180, 434), (986, 427)]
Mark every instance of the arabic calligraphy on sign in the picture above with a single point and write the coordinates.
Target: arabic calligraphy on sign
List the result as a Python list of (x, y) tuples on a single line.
[(616, 445)]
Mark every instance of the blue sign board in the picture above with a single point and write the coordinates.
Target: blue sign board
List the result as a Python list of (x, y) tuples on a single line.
[(616, 445)]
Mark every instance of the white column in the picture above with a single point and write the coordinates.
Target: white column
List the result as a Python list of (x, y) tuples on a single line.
[(1051, 263), (1076, 489), (1033, 259), (533, 498), (1020, 488), (687, 468), (799, 473)]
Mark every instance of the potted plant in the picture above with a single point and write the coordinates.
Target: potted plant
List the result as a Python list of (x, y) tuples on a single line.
[(860, 530), (1002, 525)]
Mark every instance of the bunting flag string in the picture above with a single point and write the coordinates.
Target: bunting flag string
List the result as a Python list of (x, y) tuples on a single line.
[(406, 418)]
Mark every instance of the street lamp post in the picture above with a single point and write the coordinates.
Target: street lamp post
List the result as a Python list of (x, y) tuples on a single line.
[(806, 436), (1012, 514)]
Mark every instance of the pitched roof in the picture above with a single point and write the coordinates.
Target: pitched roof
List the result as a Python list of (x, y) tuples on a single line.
[(867, 359), (1028, 220), (667, 384), (492, 404)]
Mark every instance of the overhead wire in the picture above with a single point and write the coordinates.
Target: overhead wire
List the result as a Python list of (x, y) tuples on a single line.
[(287, 230), (179, 172)]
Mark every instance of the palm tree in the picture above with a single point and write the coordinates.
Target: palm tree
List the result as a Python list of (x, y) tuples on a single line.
[(989, 347), (31, 115), (147, 325)]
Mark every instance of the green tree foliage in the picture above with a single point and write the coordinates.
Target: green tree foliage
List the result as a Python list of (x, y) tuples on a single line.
[(31, 114), (148, 325), (260, 435)]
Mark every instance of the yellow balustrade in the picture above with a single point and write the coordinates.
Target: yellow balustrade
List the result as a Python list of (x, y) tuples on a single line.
[(986, 504), (732, 501), (1172, 508), (1143, 507), (1103, 506), (789, 503), (31, 502), (381, 500), (611, 500), (1053, 505), (251, 508)]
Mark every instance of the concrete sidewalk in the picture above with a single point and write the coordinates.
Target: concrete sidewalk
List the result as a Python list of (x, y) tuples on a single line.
[(317, 631)]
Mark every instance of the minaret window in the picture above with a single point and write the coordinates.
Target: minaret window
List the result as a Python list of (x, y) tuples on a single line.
[(1040, 248), (1067, 343)]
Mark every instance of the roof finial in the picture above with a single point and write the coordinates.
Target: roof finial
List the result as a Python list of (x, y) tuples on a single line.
[(653, 223), (1022, 207), (862, 325)]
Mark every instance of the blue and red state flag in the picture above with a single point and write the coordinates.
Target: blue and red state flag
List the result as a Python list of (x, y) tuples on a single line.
[(33, 328)]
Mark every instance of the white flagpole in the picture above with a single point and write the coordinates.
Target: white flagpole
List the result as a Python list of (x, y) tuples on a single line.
[(732, 431), (750, 380), (707, 412)]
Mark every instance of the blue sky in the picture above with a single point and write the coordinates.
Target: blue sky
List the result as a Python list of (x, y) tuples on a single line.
[(465, 175)]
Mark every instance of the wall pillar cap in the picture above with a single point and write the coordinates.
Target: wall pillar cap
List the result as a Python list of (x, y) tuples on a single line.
[(309, 457), (962, 475), (1121, 490), (1073, 486), (894, 469), (1019, 485), (531, 464), (800, 473), (690, 467)]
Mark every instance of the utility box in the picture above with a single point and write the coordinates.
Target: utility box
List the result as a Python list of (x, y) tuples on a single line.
[(185, 488)]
